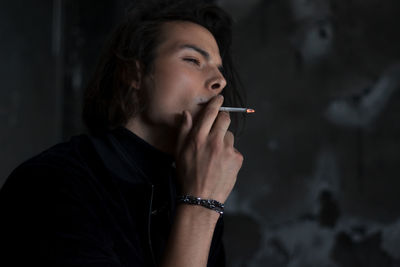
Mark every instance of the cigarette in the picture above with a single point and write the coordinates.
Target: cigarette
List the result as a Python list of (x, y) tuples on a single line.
[(230, 109)]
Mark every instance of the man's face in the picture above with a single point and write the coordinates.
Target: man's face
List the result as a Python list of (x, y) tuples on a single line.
[(186, 74)]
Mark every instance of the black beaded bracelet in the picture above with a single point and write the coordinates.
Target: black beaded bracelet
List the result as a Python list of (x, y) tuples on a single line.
[(207, 203)]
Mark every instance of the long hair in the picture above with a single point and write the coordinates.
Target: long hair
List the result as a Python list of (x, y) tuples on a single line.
[(110, 100)]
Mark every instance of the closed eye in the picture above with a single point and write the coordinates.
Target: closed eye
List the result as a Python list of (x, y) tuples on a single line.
[(193, 60)]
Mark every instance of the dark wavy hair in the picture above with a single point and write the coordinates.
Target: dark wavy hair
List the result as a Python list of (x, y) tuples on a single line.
[(110, 100)]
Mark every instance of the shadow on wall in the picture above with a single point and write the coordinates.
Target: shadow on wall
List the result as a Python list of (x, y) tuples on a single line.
[(319, 186)]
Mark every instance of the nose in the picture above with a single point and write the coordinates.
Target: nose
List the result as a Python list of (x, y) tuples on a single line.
[(217, 81)]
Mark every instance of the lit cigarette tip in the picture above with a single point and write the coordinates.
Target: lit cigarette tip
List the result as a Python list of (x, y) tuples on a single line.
[(250, 110)]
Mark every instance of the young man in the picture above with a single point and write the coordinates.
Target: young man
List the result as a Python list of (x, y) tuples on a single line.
[(128, 194)]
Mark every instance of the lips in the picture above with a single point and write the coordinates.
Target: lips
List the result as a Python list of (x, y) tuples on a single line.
[(204, 100)]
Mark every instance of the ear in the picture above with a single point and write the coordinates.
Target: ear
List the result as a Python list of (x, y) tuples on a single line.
[(137, 79)]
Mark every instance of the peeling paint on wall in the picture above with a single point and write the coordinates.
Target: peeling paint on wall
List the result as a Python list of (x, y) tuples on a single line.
[(360, 110), (320, 187)]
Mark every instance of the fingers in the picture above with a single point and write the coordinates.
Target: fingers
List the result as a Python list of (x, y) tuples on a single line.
[(184, 130), (207, 117), (221, 125), (229, 139)]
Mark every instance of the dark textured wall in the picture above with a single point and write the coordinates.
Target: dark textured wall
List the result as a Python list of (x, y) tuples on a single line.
[(30, 100), (320, 183), (48, 50)]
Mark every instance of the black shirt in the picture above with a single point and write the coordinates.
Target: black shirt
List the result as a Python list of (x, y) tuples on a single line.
[(93, 201)]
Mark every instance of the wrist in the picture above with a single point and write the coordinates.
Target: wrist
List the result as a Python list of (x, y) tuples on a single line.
[(210, 204), (198, 214)]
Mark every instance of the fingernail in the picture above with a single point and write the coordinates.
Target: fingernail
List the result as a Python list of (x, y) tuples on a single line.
[(221, 97)]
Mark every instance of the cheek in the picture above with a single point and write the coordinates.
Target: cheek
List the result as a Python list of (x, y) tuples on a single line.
[(177, 89), (170, 94)]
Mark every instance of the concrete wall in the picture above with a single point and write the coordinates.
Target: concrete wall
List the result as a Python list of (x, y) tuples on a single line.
[(30, 110), (48, 50), (320, 184)]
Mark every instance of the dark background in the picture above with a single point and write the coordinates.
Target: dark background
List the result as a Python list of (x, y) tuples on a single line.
[(320, 182)]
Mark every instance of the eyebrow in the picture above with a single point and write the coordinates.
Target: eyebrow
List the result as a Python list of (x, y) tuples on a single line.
[(204, 53)]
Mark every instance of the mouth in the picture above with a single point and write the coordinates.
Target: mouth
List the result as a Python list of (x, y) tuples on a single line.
[(204, 100)]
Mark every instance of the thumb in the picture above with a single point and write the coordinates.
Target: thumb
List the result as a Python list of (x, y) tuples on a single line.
[(185, 127)]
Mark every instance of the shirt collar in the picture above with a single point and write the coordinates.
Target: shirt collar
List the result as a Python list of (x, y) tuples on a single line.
[(154, 164)]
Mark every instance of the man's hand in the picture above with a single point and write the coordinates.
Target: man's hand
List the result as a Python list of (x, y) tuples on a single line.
[(206, 160)]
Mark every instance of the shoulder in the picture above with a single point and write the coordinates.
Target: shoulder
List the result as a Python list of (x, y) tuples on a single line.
[(83, 166), (73, 155), (57, 164)]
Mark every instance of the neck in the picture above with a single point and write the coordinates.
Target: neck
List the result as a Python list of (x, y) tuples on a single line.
[(162, 139)]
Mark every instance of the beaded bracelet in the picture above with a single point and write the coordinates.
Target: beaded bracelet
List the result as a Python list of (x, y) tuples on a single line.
[(207, 203)]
